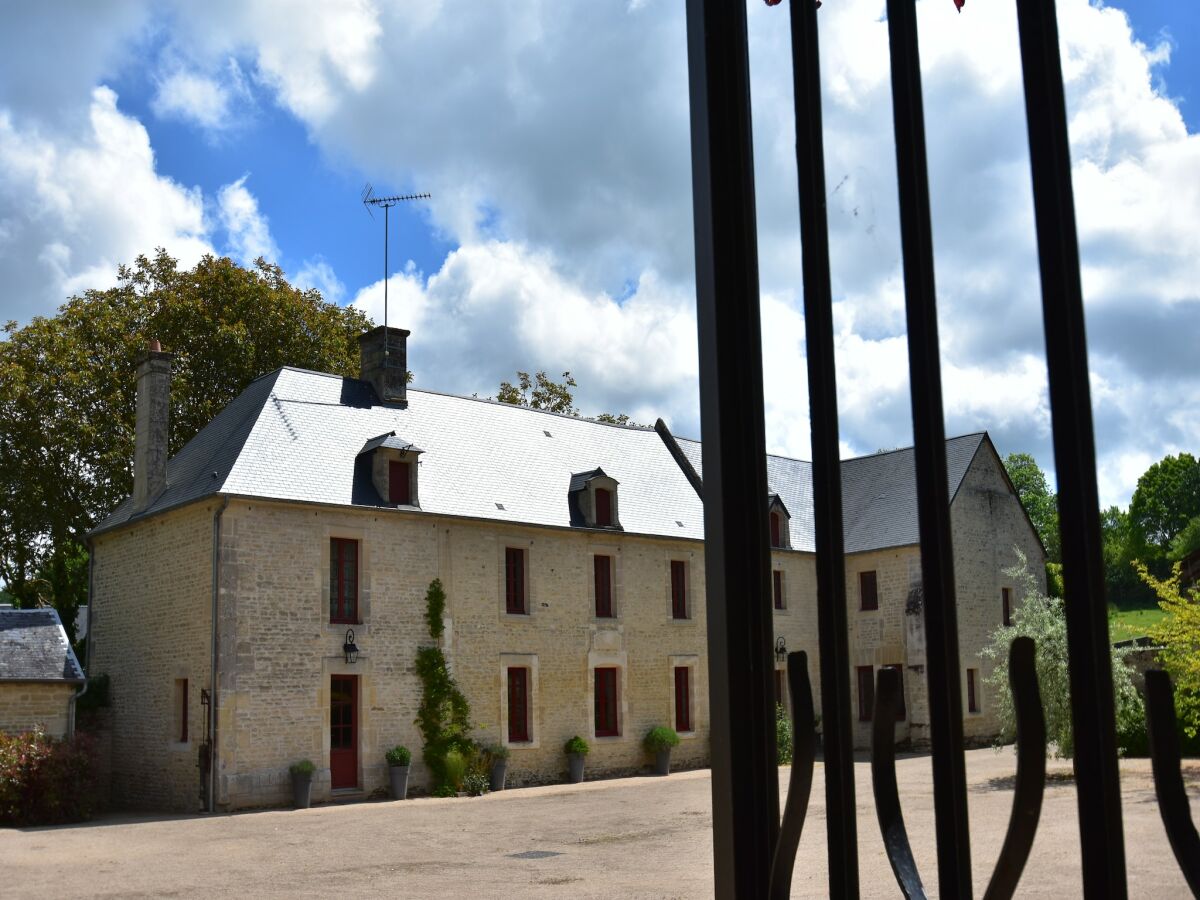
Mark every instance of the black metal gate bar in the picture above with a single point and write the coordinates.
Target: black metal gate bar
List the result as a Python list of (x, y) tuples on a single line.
[(929, 447), (745, 780), (836, 706), (1098, 787)]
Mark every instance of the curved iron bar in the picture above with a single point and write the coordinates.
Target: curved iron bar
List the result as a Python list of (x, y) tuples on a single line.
[(883, 780), (804, 745), (1031, 771), (1168, 776)]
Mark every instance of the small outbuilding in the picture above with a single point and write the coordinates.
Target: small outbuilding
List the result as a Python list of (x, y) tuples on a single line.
[(39, 673)]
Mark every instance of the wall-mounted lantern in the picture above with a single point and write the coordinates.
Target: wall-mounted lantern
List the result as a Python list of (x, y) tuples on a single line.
[(350, 648), (780, 650)]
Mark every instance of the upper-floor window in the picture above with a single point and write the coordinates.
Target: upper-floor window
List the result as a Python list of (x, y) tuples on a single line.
[(592, 500), (1006, 605), (602, 567), (778, 519), (391, 464), (868, 590), (343, 580), (604, 516), (514, 581), (775, 530), (679, 608), (399, 482), (777, 588)]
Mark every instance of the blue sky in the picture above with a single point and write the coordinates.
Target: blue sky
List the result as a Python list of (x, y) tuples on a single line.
[(554, 140)]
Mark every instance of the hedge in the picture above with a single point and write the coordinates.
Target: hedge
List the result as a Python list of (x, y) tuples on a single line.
[(46, 781)]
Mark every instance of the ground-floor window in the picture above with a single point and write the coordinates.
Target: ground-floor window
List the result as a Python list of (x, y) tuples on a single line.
[(683, 698), (866, 693), (607, 724), (973, 690), (518, 705), (181, 710)]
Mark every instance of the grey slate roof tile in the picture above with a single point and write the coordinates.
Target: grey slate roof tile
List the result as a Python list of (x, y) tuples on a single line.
[(34, 647)]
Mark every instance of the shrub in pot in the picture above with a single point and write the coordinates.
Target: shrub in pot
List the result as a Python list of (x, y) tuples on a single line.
[(576, 749), (398, 760), (497, 755), (302, 773), (659, 741)]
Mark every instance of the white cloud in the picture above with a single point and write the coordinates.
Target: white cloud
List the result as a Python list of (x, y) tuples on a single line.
[(192, 97), (318, 274), (246, 228)]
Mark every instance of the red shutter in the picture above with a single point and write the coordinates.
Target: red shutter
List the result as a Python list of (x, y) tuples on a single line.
[(603, 579), (518, 705), (603, 507), (399, 485), (343, 580), (678, 589), (1006, 598), (683, 700), (866, 693), (606, 703), (775, 530), (868, 588), (514, 580), (777, 585)]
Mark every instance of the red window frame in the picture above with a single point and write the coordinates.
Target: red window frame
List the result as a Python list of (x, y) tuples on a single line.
[(866, 693), (777, 588), (972, 686), (679, 608), (399, 482), (343, 581), (776, 521), (1006, 603), (868, 590), (602, 575), (683, 699), (514, 581), (901, 710), (604, 515), (518, 705), (607, 720), (183, 710)]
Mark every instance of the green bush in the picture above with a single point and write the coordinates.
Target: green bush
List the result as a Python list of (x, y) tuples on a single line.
[(45, 781), (475, 783), (577, 745), (456, 769), (783, 735), (399, 756), (660, 738), (303, 767), (494, 753), (444, 790)]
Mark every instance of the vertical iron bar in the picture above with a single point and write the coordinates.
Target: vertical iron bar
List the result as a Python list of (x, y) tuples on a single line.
[(1092, 715), (836, 708), (745, 781), (929, 442)]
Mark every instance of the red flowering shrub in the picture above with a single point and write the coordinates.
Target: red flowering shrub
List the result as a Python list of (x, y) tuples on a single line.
[(45, 781)]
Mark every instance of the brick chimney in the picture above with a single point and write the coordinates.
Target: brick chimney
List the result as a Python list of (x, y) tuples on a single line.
[(387, 371), (151, 430)]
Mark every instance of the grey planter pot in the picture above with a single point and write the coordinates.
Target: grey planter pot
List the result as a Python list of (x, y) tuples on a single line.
[(301, 791), (498, 774), (575, 767), (398, 775), (662, 762)]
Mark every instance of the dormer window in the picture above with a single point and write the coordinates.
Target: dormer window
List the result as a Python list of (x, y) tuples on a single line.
[(392, 465), (592, 500), (780, 523)]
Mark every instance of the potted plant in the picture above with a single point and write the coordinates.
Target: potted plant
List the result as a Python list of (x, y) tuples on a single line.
[(302, 773), (398, 759), (576, 748), (659, 741), (498, 755)]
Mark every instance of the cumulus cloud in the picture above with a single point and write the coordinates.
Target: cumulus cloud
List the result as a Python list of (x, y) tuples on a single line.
[(192, 97), (246, 227), (318, 274)]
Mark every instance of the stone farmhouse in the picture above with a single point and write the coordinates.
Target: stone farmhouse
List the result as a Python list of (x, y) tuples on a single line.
[(226, 588), (39, 674)]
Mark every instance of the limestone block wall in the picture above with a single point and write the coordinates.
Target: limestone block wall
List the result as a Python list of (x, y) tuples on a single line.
[(150, 632), (26, 705)]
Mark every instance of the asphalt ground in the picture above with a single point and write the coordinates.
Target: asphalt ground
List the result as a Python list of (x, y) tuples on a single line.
[(633, 837)]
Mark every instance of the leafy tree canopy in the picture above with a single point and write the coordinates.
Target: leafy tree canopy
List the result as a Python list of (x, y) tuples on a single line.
[(1030, 481), (67, 392), (1179, 634), (1167, 497), (540, 392), (1186, 542)]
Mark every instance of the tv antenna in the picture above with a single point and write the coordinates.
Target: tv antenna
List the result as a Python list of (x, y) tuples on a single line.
[(369, 199)]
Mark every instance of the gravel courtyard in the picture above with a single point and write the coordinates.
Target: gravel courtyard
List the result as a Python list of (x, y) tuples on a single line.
[(638, 837)]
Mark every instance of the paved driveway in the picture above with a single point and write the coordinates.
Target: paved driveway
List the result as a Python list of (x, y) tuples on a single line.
[(637, 837)]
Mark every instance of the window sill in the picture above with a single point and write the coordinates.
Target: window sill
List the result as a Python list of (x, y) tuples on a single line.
[(609, 738), (517, 617), (688, 621)]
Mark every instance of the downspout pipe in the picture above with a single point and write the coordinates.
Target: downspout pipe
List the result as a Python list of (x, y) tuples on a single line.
[(87, 661), (212, 690)]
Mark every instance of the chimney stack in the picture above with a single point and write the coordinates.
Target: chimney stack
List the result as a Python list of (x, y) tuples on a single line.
[(386, 370), (151, 429)]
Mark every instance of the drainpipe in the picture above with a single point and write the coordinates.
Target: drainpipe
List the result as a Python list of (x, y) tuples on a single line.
[(87, 661), (212, 695)]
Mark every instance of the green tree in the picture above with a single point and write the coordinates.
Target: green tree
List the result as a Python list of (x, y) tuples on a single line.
[(1030, 481), (1043, 619), (1186, 542), (540, 392), (1167, 497), (67, 393), (1179, 634)]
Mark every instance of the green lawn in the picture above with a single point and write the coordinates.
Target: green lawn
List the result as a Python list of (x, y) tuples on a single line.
[(1131, 623)]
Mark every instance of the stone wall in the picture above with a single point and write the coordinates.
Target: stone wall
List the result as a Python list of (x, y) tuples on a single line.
[(150, 633), (26, 705)]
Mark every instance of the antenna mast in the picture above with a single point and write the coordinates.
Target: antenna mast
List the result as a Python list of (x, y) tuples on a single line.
[(369, 199)]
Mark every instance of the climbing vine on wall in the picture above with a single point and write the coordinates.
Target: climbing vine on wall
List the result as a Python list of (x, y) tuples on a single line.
[(444, 714)]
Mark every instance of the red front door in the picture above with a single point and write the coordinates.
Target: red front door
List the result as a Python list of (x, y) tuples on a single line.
[(343, 731)]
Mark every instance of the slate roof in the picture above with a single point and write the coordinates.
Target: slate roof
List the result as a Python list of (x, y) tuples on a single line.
[(296, 435), (34, 647)]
